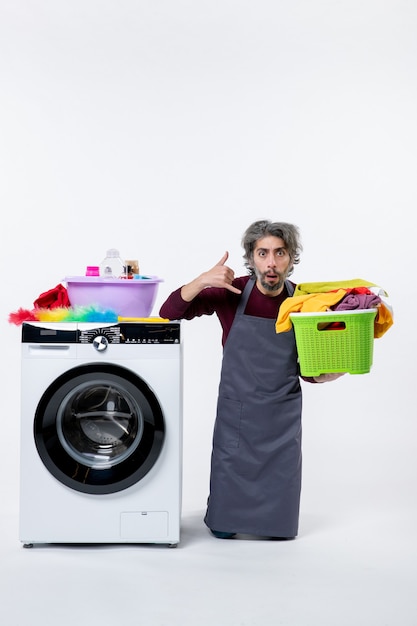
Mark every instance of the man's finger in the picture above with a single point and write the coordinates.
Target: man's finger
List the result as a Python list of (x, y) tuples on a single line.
[(234, 289), (223, 259)]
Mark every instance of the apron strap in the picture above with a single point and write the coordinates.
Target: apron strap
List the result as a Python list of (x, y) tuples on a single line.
[(245, 296)]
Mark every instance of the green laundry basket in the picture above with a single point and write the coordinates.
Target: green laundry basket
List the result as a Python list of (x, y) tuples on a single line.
[(335, 341)]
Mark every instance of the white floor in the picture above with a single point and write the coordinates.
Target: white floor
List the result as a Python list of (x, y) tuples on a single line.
[(356, 566)]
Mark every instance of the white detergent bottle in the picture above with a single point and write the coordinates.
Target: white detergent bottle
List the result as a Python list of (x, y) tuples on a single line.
[(112, 265)]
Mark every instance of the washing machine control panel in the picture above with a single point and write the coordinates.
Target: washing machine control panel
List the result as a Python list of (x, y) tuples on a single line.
[(126, 333), (132, 333)]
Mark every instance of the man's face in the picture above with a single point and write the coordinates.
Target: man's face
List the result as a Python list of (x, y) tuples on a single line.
[(271, 264)]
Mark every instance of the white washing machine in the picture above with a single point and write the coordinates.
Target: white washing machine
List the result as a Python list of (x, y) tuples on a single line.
[(101, 433)]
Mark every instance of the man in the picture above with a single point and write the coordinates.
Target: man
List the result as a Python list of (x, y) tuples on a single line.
[(255, 480)]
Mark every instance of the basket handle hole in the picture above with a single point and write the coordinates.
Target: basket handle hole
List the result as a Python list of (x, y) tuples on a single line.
[(331, 326)]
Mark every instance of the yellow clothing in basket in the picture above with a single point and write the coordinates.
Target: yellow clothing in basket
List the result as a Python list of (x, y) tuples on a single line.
[(308, 303), (305, 288)]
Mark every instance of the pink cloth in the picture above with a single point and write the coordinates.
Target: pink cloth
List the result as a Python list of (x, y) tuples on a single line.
[(358, 301)]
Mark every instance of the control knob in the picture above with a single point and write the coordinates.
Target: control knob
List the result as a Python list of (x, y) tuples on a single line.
[(100, 342)]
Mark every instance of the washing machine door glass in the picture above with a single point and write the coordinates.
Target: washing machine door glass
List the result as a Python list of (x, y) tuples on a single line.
[(99, 428), (100, 424)]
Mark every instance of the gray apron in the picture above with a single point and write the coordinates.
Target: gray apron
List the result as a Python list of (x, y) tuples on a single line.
[(255, 481)]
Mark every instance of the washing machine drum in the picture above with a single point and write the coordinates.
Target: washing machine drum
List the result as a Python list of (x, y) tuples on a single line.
[(99, 428)]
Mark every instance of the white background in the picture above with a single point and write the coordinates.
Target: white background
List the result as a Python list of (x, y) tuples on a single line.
[(164, 128)]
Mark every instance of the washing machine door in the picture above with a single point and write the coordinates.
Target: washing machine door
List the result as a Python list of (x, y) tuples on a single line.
[(99, 428)]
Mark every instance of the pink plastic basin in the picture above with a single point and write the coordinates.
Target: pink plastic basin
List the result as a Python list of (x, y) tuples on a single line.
[(126, 297)]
